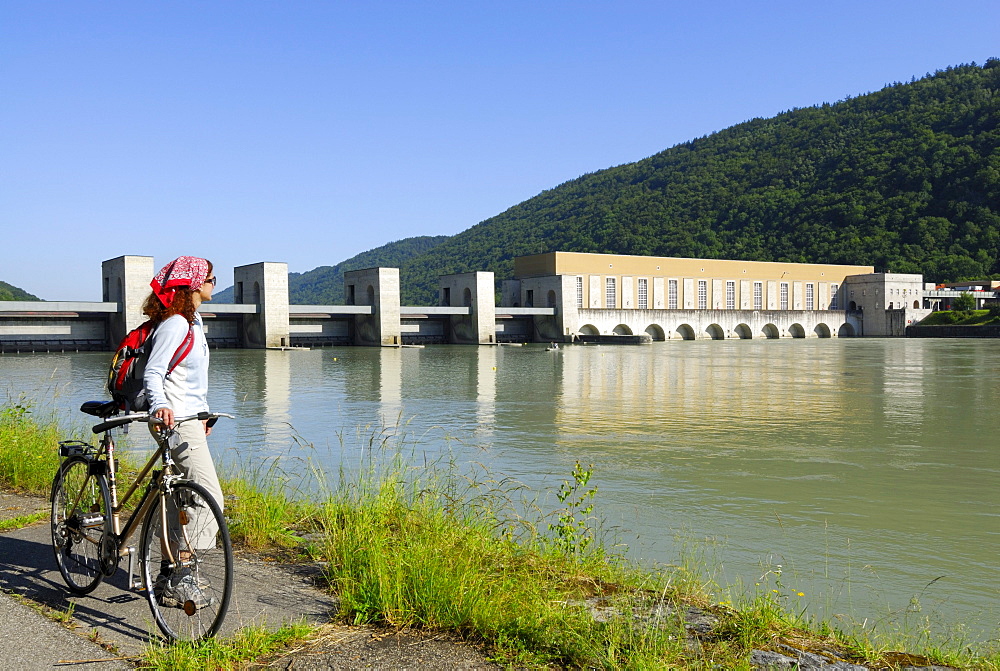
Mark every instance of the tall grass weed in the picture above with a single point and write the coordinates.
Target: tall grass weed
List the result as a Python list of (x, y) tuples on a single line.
[(412, 541)]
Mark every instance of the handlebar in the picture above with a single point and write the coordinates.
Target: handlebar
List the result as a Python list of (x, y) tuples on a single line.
[(146, 417)]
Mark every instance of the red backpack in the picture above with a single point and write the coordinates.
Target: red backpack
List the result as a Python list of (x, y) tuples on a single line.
[(129, 364)]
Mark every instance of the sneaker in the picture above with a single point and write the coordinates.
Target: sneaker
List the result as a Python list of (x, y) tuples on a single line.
[(185, 590)]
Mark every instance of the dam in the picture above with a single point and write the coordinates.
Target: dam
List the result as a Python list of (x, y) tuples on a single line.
[(555, 297)]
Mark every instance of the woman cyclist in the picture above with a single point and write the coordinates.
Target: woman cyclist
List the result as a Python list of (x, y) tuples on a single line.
[(178, 290)]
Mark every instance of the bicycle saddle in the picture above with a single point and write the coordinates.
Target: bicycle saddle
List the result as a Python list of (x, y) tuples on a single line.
[(102, 409)]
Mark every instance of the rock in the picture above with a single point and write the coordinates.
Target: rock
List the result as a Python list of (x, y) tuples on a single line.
[(765, 660)]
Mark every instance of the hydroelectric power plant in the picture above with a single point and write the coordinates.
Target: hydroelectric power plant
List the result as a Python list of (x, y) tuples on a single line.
[(553, 297)]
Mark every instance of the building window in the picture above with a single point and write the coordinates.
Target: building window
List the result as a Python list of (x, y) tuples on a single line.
[(730, 295), (643, 293), (609, 293), (784, 296), (758, 295), (834, 288), (702, 294), (579, 292), (672, 294), (529, 298), (809, 297)]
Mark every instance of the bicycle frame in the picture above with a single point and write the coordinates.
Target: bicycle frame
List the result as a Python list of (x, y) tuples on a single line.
[(103, 462)]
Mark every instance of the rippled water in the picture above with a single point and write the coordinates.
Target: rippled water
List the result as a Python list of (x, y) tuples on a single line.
[(869, 469)]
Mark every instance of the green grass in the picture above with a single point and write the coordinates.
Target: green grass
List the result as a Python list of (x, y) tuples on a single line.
[(959, 318), (237, 652), (29, 453), (22, 521), (439, 547)]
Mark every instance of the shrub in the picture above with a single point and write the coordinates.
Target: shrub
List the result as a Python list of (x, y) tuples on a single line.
[(964, 303)]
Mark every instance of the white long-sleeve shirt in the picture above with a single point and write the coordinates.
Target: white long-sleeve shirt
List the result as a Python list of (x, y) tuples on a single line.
[(186, 390)]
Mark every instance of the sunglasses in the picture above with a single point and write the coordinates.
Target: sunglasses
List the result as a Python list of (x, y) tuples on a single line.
[(211, 280)]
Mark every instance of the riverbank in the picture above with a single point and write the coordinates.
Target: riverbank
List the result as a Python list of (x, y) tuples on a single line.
[(957, 324), (442, 552)]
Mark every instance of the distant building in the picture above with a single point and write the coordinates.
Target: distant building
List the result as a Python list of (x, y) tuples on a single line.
[(682, 297), (889, 302)]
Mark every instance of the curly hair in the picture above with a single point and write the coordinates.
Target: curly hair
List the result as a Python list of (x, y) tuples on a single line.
[(182, 304)]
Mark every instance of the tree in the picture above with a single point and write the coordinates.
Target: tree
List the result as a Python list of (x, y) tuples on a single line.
[(964, 303)]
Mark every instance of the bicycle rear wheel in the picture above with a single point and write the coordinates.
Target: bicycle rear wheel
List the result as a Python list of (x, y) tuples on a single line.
[(189, 603), (81, 520)]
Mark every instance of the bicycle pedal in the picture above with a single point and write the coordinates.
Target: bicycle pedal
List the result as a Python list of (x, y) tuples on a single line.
[(134, 580)]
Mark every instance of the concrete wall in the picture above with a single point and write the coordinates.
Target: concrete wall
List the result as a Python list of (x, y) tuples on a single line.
[(872, 294), (717, 324), (264, 285), (553, 291), (125, 281), (473, 291), (223, 332), (986, 331), (27, 334), (379, 288), (425, 331)]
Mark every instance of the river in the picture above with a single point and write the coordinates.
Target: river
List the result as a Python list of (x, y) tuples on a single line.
[(858, 477)]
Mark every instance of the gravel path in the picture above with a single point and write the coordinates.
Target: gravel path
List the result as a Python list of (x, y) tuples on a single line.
[(266, 594)]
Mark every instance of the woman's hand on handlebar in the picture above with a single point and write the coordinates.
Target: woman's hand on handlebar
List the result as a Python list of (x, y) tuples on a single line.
[(166, 415)]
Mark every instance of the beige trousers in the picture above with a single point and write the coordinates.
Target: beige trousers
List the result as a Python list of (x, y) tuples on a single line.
[(189, 450)]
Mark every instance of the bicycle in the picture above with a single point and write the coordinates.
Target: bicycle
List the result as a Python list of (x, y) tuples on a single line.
[(89, 540)]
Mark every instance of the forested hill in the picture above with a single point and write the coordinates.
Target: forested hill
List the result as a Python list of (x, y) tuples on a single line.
[(325, 285), (906, 179), (8, 292)]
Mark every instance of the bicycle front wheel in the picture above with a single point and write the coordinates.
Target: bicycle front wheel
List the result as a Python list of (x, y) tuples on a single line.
[(186, 563), (81, 521)]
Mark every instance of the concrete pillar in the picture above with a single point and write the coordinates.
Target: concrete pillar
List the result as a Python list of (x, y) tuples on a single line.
[(475, 291), (379, 288), (266, 286), (126, 282), (552, 291), (567, 313)]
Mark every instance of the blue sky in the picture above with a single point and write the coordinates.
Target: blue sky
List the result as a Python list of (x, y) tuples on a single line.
[(307, 132)]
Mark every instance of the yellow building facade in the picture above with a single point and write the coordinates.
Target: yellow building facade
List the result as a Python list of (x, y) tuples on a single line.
[(621, 282)]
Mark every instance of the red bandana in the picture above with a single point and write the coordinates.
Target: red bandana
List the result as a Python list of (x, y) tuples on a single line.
[(184, 271)]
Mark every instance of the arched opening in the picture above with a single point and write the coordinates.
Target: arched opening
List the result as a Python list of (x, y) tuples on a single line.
[(853, 306), (467, 297), (846, 331), (743, 331), (796, 331), (655, 332), (589, 329), (622, 329), (685, 332), (890, 306), (822, 331), (770, 331), (550, 299), (916, 305), (370, 295), (715, 332)]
